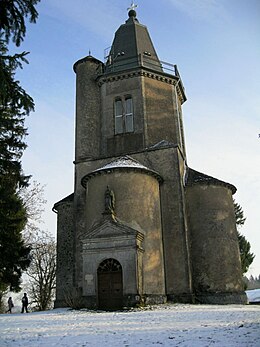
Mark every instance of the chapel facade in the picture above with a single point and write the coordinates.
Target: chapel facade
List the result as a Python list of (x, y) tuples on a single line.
[(141, 227)]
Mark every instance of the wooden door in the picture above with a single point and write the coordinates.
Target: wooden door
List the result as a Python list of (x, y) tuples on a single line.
[(110, 285)]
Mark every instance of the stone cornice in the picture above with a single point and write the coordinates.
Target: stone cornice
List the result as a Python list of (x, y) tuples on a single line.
[(144, 72), (149, 149), (120, 169)]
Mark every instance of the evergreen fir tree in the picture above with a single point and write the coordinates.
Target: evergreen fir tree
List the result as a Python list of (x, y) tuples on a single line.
[(15, 105), (244, 246), (239, 214), (12, 18), (14, 254), (245, 255)]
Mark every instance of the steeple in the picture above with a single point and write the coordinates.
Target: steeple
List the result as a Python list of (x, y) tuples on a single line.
[(132, 46)]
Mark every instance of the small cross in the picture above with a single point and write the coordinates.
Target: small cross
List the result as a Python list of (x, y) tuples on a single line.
[(132, 7)]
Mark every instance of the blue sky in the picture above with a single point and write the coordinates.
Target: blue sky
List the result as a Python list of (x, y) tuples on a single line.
[(215, 44)]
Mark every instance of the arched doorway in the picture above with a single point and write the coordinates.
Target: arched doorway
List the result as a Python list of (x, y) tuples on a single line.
[(110, 285)]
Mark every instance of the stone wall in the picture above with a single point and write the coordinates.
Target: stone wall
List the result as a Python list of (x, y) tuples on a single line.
[(161, 117), (111, 89), (216, 266), (156, 107), (88, 107), (169, 163), (137, 206), (65, 253)]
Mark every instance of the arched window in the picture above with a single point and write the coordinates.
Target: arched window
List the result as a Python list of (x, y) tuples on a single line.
[(109, 265), (124, 117)]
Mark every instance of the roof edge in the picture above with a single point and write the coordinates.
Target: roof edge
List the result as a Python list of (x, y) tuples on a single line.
[(194, 177), (66, 200), (88, 58), (107, 169)]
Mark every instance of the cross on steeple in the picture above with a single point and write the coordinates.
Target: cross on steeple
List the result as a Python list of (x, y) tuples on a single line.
[(133, 6)]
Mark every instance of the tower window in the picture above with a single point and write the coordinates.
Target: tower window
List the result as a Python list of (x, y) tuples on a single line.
[(124, 118), (119, 117), (129, 124)]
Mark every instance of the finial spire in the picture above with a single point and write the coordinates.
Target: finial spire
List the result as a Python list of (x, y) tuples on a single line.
[(132, 7), (132, 13)]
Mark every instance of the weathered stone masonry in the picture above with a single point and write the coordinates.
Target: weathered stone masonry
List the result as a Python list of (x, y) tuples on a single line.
[(170, 232)]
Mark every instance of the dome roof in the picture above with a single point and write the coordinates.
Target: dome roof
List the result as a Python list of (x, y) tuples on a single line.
[(125, 163)]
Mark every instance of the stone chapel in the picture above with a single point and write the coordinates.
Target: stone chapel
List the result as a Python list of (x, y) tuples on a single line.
[(141, 227)]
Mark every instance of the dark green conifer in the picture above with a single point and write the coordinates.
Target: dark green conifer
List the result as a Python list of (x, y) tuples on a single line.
[(244, 246), (15, 105)]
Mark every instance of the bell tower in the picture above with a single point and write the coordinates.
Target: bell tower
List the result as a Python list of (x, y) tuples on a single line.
[(132, 105), (140, 219), (143, 94), (132, 101)]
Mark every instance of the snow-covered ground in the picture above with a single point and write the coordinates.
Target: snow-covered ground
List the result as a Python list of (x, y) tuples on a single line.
[(166, 325)]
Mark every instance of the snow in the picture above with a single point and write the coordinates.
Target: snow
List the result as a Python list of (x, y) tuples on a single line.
[(253, 295), (165, 325), (123, 162)]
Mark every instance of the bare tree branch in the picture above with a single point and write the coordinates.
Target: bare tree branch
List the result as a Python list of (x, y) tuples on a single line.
[(42, 271)]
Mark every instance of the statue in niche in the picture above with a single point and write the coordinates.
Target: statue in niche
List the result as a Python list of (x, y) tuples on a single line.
[(109, 201)]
